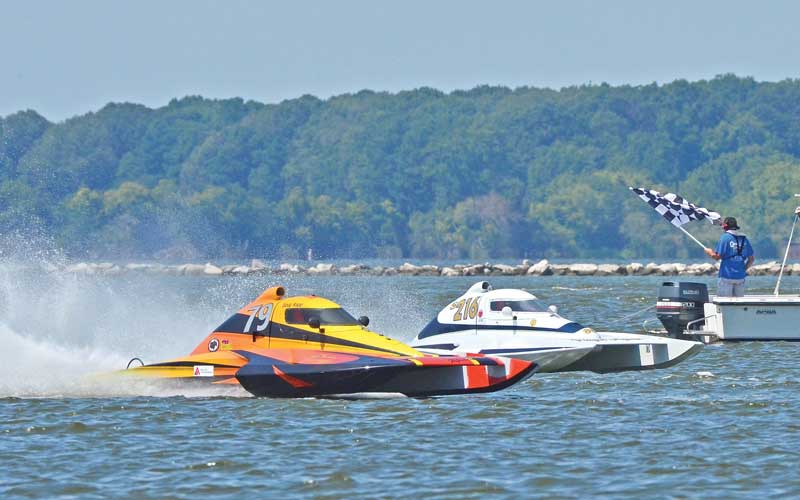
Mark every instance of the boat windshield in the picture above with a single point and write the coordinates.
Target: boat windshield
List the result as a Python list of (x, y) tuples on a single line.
[(327, 316), (527, 305)]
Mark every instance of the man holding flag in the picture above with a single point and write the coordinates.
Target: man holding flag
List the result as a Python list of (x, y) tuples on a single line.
[(735, 255), (733, 249)]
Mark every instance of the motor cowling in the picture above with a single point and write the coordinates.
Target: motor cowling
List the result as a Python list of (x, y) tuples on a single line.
[(680, 303)]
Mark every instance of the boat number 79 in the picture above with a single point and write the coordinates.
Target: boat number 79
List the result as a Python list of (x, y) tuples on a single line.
[(262, 313)]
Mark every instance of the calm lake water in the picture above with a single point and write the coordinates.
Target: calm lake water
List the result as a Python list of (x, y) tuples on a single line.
[(677, 432)]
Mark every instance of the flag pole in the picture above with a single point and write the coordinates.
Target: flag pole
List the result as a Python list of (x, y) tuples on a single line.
[(786, 254), (692, 237)]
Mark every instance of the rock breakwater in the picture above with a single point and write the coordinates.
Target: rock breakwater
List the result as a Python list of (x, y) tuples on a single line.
[(525, 268)]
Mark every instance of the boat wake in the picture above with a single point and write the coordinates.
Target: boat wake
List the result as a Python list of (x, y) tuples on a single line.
[(34, 369), (59, 332)]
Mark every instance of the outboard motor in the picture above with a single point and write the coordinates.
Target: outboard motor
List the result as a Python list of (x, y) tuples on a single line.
[(680, 303)]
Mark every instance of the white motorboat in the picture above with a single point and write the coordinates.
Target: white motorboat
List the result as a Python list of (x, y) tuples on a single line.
[(754, 317), (687, 311), (514, 323)]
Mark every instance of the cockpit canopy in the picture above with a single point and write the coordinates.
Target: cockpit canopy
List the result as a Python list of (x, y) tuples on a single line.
[(518, 305), (327, 316)]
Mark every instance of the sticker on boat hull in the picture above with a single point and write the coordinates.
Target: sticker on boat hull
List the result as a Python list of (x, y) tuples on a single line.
[(203, 371)]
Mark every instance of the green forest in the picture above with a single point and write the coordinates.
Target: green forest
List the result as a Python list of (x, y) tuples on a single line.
[(490, 172)]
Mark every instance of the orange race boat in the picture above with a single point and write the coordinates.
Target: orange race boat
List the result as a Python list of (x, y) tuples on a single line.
[(309, 346)]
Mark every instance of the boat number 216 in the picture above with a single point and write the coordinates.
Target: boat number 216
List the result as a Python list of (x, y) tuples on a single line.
[(465, 308)]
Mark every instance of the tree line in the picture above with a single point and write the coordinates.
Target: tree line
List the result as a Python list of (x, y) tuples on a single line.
[(489, 172)]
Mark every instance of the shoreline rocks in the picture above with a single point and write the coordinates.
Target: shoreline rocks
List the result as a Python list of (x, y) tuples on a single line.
[(526, 268)]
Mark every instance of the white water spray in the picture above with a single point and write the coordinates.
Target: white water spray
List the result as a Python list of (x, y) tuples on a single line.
[(57, 330)]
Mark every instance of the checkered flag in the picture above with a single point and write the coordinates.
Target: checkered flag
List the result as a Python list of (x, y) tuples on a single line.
[(674, 208)]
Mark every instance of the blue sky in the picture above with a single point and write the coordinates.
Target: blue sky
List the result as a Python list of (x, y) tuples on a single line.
[(68, 58)]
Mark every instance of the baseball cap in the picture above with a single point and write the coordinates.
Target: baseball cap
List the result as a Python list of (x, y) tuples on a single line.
[(730, 222)]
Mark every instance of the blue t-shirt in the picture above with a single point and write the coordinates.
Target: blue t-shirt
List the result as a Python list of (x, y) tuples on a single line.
[(734, 251)]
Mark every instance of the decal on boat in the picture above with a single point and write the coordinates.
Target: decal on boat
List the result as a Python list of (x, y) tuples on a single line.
[(262, 313), (465, 309), (213, 345), (203, 371)]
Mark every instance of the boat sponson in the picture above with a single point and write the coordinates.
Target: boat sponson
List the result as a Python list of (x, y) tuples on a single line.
[(328, 373), (609, 358)]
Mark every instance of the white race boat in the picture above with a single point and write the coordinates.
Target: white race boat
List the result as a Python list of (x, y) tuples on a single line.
[(514, 323)]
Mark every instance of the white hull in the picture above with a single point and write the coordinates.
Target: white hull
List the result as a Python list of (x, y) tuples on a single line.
[(553, 360), (753, 317), (630, 352), (600, 352), (548, 360)]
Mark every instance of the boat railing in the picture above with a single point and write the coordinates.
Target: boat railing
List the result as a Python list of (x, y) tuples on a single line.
[(788, 246), (706, 336)]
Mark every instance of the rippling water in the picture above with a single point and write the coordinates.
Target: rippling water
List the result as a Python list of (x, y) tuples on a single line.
[(677, 432)]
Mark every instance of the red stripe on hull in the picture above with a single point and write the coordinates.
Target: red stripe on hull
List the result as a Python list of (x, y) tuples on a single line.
[(293, 381)]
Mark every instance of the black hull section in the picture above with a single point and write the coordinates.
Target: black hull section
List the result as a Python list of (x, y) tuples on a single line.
[(263, 381), (268, 377), (419, 388)]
